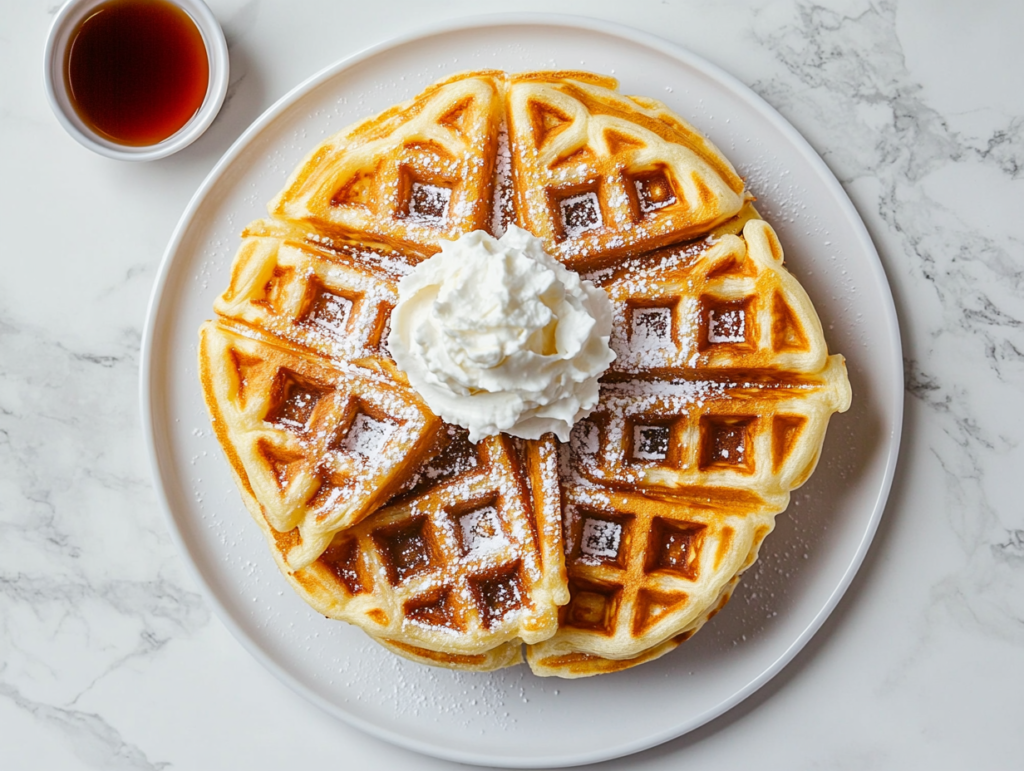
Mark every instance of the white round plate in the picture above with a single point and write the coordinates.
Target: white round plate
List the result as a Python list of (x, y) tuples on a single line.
[(512, 718)]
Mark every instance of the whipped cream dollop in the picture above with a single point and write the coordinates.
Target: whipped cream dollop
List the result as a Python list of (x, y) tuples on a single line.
[(497, 336)]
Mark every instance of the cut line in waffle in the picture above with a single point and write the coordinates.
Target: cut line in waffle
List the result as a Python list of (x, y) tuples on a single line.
[(318, 446), (468, 559)]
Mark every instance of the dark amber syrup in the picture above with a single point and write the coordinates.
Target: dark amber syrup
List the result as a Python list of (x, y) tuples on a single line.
[(137, 70)]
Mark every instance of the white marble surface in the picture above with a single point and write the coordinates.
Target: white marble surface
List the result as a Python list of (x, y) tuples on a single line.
[(109, 656)]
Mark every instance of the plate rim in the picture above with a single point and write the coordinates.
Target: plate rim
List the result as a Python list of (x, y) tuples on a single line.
[(147, 387)]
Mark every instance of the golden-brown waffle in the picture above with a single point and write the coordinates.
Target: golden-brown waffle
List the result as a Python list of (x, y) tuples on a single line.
[(467, 559), (721, 363), (560, 659), (505, 655), (335, 301), (315, 445), (715, 411), (599, 175), (292, 368), (417, 173), (600, 554)]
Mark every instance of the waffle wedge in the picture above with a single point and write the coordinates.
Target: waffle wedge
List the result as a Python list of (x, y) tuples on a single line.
[(414, 174), (467, 560), (315, 446), (599, 176)]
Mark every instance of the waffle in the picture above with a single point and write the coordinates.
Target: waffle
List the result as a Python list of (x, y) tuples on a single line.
[(508, 654), (599, 175), (317, 447), (417, 173), (598, 554), (560, 660), (334, 301), (322, 430), (716, 408), (468, 559)]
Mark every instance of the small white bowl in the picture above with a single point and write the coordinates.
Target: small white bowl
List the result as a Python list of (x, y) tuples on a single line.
[(64, 25)]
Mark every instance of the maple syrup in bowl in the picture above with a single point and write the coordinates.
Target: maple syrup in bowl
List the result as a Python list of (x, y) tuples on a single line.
[(136, 79)]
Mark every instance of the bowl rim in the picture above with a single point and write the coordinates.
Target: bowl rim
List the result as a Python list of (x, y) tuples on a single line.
[(57, 38)]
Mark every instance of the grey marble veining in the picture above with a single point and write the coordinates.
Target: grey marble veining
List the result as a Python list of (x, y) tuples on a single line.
[(110, 657), (960, 287), (87, 582)]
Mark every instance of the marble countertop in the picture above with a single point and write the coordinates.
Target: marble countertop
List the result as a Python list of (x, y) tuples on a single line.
[(111, 659)]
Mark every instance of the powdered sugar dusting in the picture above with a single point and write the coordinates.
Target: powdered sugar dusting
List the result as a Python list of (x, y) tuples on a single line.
[(367, 436), (481, 530), (727, 326), (651, 329), (580, 214), (501, 207), (650, 442), (601, 538), (428, 204), (332, 313)]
